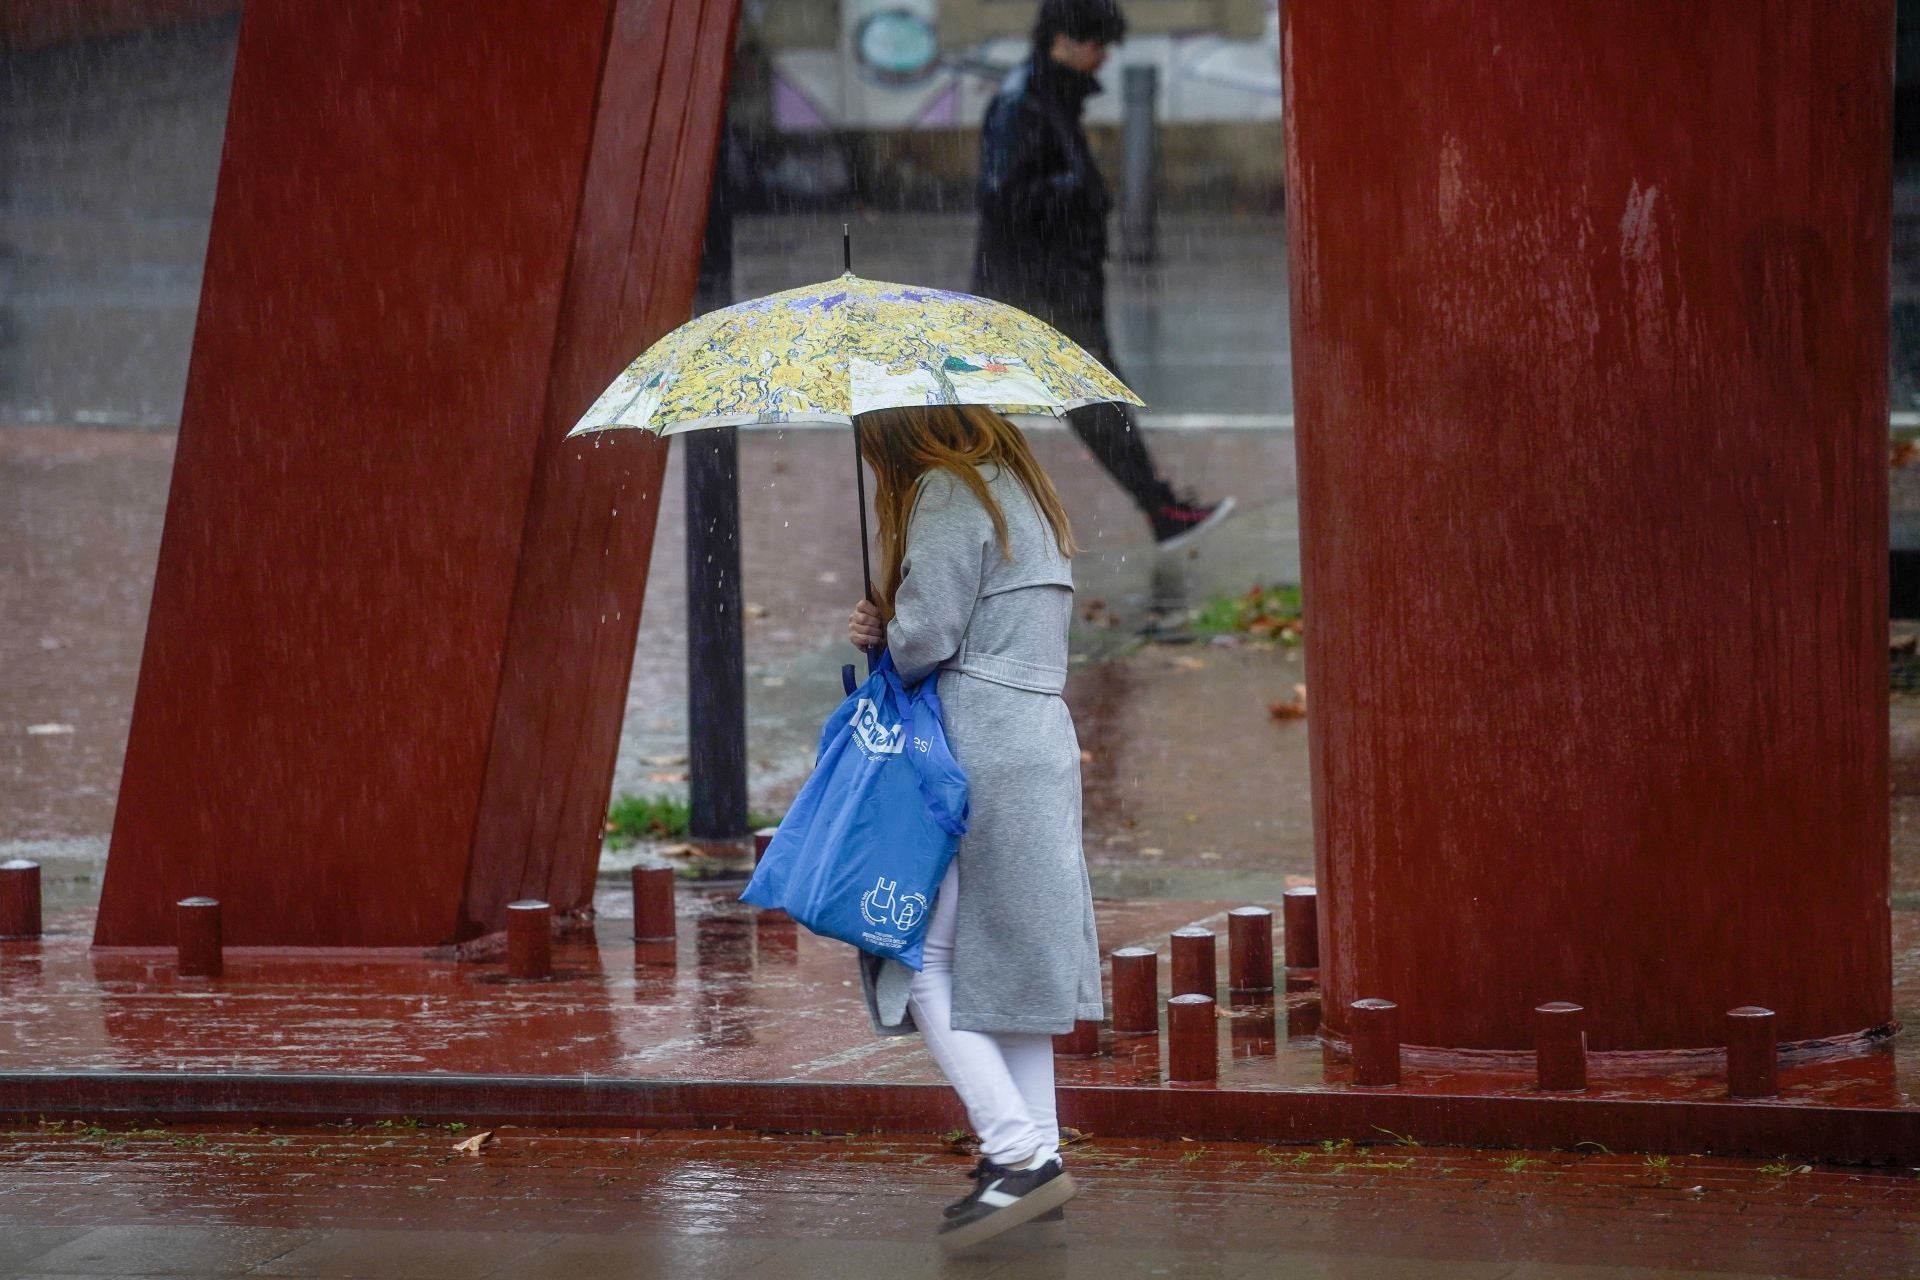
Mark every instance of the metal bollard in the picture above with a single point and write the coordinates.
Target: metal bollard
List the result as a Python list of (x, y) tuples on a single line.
[(1192, 1044), (1081, 1042), (1753, 1056), (1136, 992), (1560, 1047), (1300, 927), (761, 839), (19, 899), (1376, 1043), (199, 953), (1250, 949), (1195, 970), (529, 939), (1140, 88), (652, 904)]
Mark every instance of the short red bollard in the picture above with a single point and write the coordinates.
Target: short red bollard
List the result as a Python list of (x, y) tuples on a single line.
[(529, 940), (1136, 992), (1560, 1047), (1193, 1051), (1300, 927), (1250, 949), (1753, 1056), (197, 938), (1081, 1042), (652, 904), (19, 899), (1376, 1043), (761, 839), (1195, 971)]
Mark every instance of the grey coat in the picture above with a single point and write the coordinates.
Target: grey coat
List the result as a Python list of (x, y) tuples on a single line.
[(1025, 955)]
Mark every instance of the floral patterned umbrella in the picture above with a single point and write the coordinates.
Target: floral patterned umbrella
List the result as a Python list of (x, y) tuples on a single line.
[(826, 352)]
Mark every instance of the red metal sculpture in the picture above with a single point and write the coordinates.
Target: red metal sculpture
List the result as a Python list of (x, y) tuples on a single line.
[(395, 611), (1590, 350)]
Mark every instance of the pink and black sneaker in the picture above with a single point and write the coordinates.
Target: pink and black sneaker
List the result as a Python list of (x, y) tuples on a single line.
[(1178, 522)]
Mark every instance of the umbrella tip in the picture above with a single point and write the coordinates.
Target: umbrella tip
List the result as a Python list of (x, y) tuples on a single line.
[(846, 246)]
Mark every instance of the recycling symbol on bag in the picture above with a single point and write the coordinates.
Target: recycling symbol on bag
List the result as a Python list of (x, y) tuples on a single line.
[(884, 904)]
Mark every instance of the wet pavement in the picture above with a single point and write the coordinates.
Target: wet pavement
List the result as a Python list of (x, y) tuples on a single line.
[(80, 516), (398, 1202), (746, 996)]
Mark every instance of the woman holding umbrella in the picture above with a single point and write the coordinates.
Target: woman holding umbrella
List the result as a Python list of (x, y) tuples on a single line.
[(976, 590), (976, 586)]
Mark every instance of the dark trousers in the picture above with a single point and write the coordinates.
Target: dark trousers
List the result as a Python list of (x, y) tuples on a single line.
[(1113, 434)]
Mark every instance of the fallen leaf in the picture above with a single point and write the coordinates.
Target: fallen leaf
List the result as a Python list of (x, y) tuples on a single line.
[(1294, 710), (1086, 757), (1071, 1137), (1902, 452), (1185, 663), (667, 777), (757, 611), (472, 1145), (661, 762)]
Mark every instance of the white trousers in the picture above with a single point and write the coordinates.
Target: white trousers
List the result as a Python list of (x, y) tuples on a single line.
[(1005, 1080)]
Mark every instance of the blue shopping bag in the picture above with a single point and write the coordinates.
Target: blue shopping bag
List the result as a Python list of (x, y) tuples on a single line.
[(862, 851)]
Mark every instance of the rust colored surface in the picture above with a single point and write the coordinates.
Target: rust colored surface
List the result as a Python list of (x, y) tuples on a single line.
[(1082, 1042), (1134, 982), (199, 950), (653, 903), (747, 1020), (393, 613), (19, 898), (1589, 341), (1753, 1055), (529, 940), (1193, 1041), (1560, 1047), (1300, 927), (1196, 954), (1376, 1043), (1250, 949)]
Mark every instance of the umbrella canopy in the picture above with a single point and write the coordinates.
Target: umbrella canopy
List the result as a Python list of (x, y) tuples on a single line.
[(829, 351)]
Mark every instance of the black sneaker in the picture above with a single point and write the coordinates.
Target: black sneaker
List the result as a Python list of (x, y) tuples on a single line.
[(1177, 523), (1003, 1198), (984, 1168)]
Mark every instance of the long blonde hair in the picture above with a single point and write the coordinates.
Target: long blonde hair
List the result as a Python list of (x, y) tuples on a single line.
[(902, 445)]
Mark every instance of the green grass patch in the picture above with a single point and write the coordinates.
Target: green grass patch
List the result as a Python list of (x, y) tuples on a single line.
[(1261, 613), (634, 818)]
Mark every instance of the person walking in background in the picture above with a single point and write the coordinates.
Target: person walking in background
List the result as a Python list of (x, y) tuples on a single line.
[(1043, 235)]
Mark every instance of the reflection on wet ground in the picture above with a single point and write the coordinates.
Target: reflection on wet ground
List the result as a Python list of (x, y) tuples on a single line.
[(80, 515), (740, 995), (397, 1203)]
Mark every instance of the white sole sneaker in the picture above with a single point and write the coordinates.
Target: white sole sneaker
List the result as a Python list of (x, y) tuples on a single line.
[(1048, 1195)]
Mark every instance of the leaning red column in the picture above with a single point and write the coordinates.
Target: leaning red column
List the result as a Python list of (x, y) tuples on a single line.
[(394, 609), (1589, 325)]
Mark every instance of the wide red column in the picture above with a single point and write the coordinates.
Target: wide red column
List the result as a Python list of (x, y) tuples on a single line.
[(394, 610), (1590, 357)]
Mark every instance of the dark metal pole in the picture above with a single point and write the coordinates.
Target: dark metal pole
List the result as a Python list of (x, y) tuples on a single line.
[(716, 656), (1141, 90)]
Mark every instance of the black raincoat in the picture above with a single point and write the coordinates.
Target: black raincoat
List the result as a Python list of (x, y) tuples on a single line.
[(1043, 204)]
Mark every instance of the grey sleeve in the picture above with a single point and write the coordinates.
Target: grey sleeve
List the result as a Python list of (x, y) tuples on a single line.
[(948, 538)]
